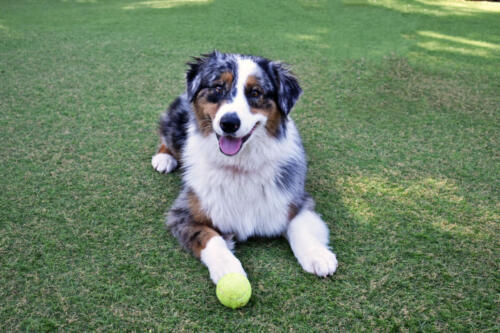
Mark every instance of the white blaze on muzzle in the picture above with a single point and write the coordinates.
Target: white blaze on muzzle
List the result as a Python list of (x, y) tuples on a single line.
[(232, 144)]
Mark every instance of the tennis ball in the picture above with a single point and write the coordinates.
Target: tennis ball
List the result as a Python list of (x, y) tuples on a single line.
[(233, 290)]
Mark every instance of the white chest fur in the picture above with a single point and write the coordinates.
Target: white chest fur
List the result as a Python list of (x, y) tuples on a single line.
[(239, 193)]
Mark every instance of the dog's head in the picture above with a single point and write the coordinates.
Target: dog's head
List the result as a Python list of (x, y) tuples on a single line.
[(234, 94)]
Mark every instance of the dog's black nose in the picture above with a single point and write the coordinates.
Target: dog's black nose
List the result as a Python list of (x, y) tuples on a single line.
[(230, 122)]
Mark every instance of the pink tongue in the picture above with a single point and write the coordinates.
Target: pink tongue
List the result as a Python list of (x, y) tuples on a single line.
[(230, 145)]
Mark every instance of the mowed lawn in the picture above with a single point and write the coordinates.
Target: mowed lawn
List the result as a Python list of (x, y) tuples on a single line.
[(400, 118)]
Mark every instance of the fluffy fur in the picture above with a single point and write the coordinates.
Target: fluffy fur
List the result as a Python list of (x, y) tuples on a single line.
[(243, 164)]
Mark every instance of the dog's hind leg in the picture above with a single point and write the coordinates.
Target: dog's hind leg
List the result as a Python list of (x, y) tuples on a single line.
[(308, 237), (195, 232)]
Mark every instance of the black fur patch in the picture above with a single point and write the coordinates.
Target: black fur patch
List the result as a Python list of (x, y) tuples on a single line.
[(180, 221), (173, 124), (291, 176), (291, 179)]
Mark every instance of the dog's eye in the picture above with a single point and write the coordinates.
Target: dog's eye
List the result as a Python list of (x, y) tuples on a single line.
[(219, 89), (255, 93)]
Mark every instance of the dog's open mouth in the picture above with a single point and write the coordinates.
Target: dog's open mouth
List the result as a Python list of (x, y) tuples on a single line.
[(230, 145)]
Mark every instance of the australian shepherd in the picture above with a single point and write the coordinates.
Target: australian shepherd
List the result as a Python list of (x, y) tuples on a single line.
[(243, 163)]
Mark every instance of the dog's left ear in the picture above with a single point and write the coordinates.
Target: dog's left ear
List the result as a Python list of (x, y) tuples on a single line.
[(287, 87)]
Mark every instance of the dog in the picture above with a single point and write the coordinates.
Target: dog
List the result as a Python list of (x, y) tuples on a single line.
[(244, 166)]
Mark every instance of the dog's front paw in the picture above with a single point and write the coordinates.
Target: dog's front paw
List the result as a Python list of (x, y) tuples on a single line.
[(320, 261), (225, 266), (219, 259), (163, 163)]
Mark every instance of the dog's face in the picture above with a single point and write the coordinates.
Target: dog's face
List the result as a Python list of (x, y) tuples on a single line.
[(232, 95)]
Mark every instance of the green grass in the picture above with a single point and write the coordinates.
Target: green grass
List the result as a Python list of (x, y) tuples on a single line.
[(400, 119)]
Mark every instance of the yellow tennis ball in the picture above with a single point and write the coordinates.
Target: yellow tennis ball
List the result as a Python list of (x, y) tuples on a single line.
[(233, 290)]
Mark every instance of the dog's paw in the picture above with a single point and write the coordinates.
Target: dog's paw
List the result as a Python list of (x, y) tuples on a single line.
[(221, 268), (320, 261), (219, 259), (163, 163)]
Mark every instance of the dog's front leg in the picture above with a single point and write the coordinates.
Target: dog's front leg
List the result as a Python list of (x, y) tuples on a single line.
[(308, 237), (196, 234), (219, 259)]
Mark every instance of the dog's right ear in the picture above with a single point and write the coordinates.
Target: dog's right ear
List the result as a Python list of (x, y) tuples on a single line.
[(193, 74), (193, 79)]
